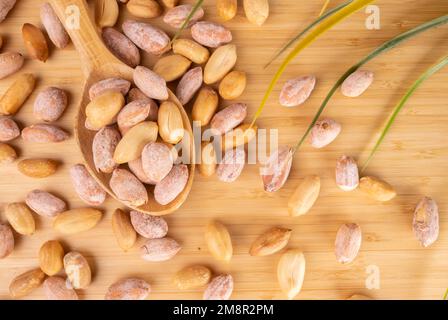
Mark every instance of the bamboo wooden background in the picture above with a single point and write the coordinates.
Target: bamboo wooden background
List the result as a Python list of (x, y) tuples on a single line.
[(413, 159)]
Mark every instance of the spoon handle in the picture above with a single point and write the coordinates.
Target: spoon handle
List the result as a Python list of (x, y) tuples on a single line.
[(74, 15)]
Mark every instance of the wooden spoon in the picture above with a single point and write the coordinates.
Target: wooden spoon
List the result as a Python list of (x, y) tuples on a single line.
[(98, 63)]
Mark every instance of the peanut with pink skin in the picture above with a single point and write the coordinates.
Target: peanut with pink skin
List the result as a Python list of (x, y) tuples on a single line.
[(55, 288), (324, 132), (137, 169), (53, 26), (135, 112), (220, 288), (231, 165), (189, 84), (228, 118), (86, 187), (6, 240), (128, 289), (44, 203), (150, 83), (172, 185), (156, 250), (347, 176), (150, 227), (297, 91), (210, 34), (275, 171), (157, 161), (103, 148), (121, 46), (128, 188), (9, 130), (358, 82), (111, 84), (176, 16), (136, 94), (50, 104), (5, 7), (348, 242), (44, 133), (10, 62), (426, 221), (147, 37)]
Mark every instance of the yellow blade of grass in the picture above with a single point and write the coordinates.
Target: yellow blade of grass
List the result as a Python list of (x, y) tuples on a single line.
[(306, 41), (325, 6)]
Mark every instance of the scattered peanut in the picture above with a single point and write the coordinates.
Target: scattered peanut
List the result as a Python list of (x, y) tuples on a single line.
[(128, 289), (291, 272), (304, 196), (150, 227), (297, 91), (51, 255), (358, 82), (127, 188), (257, 11), (275, 171), (218, 241), (25, 283), (44, 133), (37, 168), (156, 250), (78, 270), (55, 288), (123, 230), (231, 165), (35, 42), (53, 26), (348, 242), (147, 37), (207, 167), (9, 130), (270, 242), (44, 203), (103, 110), (6, 240), (17, 93), (347, 176), (77, 220), (226, 9), (377, 189), (86, 186), (219, 288), (324, 132), (50, 104), (426, 221), (210, 34), (7, 154), (192, 277), (150, 83)]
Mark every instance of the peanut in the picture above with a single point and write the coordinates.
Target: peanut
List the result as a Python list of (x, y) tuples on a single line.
[(171, 127), (426, 221), (131, 145), (232, 165), (218, 241), (35, 42), (210, 34), (53, 26), (123, 230), (228, 118), (219, 288), (297, 91), (9, 130), (37, 168), (156, 250), (233, 85), (191, 50), (176, 16), (136, 112), (192, 277), (121, 46), (144, 8), (205, 106), (304, 196), (207, 167), (172, 67), (169, 3), (377, 189), (239, 136), (6, 240), (7, 154), (103, 148), (150, 227), (128, 188), (55, 288), (172, 185), (157, 161), (257, 11), (44, 203), (348, 242), (324, 132), (220, 63), (44, 133), (103, 110), (150, 83), (20, 218), (106, 13), (291, 272), (275, 171), (50, 104), (270, 242), (147, 37), (10, 62), (111, 84), (5, 7), (78, 270), (25, 283), (358, 82), (77, 220), (86, 186), (347, 176), (128, 289), (136, 168), (189, 84), (136, 94), (17, 93), (226, 9), (51, 255)]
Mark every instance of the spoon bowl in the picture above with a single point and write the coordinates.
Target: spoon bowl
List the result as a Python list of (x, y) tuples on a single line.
[(98, 63)]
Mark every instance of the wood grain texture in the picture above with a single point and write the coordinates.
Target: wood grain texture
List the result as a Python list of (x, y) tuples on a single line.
[(413, 159)]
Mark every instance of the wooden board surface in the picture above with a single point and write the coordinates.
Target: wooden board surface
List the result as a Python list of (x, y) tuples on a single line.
[(413, 159)]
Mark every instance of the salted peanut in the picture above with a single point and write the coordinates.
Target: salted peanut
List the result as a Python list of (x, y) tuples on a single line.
[(169, 3), (220, 63), (233, 85), (55, 288), (106, 13), (291, 272), (189, 84), (171, 127), (210, 34), (226, 9), (150, 227), (86, 186), (191, 50), (347, 176), (25, 283), (9, 130), (131, 145), (44, 133), (157, 161), (103, 110), (172, 185), (55, 30), (6, 240), (128, 289), (37, 168), (220, 288), (348, 242), (51, 255), (239, 136), (172, 67), (297, 91), (147, 37), (228, 118), (10, 62), (377, 189), (127, 188), (17, 93), (123, 230), (231, 165), (20, 218), (176, 16), (77, 220), (136, 168), (136, 112), (358, 82), (426, 221), (111, 84), (218, 241), (121, 46), (156, 250), (103, 148), (208, 164), (50, 104), (136, 94), (304, 197), (257, 11), (205, 106), (78, 270), (192, 277), (35, 42), (275, 170), (5, 7), (324, 132), (44, 203), (150, 83), (7, 154), (270, 242), (144, 8)]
